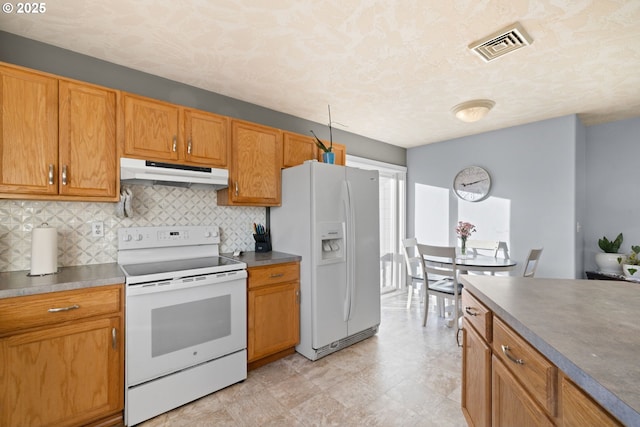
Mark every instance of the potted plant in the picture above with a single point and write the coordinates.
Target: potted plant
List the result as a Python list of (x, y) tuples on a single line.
[(328, 156), (608, 260), (631, 263)]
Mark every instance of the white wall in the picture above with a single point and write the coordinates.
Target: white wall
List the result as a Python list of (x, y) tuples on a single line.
[(533, 168), (613, 178)]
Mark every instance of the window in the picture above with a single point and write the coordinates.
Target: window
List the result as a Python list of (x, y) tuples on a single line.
[(392, 182)]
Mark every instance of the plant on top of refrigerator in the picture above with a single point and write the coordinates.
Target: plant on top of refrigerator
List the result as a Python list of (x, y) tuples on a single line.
[(319, 143)]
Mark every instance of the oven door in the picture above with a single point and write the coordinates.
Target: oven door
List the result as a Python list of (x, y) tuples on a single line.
[(177, 324)]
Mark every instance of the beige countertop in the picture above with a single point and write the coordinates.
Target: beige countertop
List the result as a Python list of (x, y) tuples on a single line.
[(588, 328), (18, 283), (257, 259)]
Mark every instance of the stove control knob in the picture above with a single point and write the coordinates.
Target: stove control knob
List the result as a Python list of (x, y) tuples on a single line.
[(126, 237), (139, 237), (207, 234)]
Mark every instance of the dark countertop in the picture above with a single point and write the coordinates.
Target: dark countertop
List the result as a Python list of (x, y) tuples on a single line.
[(17, 283), (257, 259), (587, 328)]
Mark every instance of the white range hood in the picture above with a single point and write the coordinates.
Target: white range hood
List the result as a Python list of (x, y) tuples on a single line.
[(150, 172)]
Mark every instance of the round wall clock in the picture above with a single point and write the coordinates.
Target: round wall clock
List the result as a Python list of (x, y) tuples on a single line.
[(472, 184)]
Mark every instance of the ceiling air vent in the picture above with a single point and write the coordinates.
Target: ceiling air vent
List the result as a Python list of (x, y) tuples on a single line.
[(501, 42)]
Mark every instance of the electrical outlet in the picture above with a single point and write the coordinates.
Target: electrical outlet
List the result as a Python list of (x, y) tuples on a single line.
[(97, 229)]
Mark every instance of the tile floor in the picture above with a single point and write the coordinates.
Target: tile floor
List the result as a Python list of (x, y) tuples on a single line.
[(406, 375)]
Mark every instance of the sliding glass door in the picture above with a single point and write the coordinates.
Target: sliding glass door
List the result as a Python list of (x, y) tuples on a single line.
[(392, 220)]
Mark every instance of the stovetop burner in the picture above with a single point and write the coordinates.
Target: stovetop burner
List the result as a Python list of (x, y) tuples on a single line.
[(147, 254)]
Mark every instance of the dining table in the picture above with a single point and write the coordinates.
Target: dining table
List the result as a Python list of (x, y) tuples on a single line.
[(484, 263), (477, 263)]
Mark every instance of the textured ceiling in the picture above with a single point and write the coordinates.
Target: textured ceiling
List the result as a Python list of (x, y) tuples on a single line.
[(391, 70)]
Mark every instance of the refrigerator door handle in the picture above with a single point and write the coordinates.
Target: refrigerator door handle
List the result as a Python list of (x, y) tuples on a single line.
[(351, 256), (347, 245)]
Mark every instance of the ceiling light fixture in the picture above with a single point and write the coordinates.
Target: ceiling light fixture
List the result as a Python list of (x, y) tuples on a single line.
[(472, 111)]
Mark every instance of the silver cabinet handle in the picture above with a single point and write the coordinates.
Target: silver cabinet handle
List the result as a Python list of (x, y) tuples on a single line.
[(175, 144), (468, 309), (51, 174), (298, 297), (505, 350), (237, 189), (189, 146), (58, 309), (64, 175), (114, 338)]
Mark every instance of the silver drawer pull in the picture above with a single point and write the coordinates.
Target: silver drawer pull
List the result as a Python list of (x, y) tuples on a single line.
[(114, 338), (468, 309), (505, 350), (51, 175), (58, 309), (273, 276)]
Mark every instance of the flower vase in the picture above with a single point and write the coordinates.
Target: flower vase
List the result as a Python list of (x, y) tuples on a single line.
[(328, 157), (463, 247)]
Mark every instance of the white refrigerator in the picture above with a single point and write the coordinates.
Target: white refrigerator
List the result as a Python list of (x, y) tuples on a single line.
[(330, 217)]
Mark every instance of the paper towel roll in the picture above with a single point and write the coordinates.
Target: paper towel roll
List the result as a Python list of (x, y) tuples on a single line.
[(44, 250)]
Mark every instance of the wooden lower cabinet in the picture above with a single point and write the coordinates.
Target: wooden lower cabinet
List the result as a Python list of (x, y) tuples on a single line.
[(507, 382), (476, 379), (580, 410), (512, 404), (273, 312), (69, 372)]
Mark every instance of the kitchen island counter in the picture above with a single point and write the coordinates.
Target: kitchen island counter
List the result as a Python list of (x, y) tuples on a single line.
[(587, 328), (18, 283)]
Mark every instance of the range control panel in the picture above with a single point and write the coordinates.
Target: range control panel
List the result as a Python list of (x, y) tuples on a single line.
[(169, 236)]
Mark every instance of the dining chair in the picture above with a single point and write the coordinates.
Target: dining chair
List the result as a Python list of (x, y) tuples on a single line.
[(441, 274), (488, 247), (415, 281), (531, 264)]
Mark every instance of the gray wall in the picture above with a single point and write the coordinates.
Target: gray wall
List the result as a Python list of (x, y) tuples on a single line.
[(613, 175), (29, 53), (534, 167)]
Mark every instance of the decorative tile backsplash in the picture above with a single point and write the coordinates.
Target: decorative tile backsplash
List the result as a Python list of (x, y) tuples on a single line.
[(152, 206)]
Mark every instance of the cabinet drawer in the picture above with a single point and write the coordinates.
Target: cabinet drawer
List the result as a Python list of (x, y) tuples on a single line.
[(537, 375), (56, 307), (277, 273), (477, 314)]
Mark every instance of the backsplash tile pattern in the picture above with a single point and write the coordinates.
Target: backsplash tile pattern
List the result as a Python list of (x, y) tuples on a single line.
[(152, 206)]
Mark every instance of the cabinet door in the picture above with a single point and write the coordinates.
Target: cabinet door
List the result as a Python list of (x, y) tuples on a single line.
[(87, 141), (476, 378), (579, 410), (62, 376), (296, 149), (512, 404), (207, 138), (273, 319), (256, 153), (29, 138), (151, 128)]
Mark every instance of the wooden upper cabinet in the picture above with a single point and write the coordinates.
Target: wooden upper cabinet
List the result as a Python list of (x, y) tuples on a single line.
[(207, 138), (254, 173), (151, 128), (340, 151), (29, 139), (296, 149), (87, 141)]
